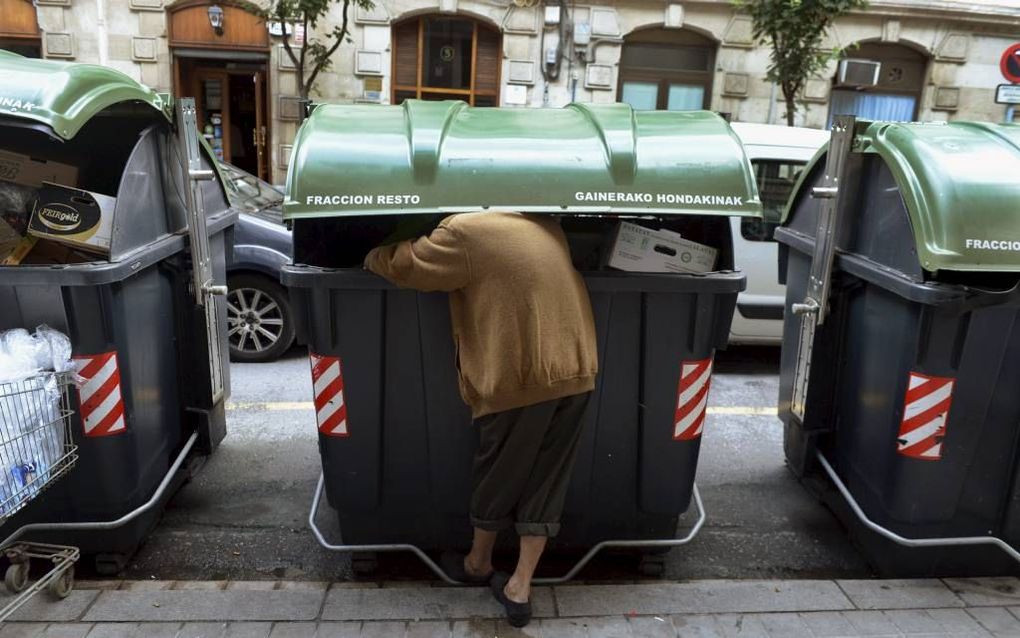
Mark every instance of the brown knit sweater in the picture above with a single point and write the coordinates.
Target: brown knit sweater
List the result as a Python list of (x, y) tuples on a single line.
[(522, 320)]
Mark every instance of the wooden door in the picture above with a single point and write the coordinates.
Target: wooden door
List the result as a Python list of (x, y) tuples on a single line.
[(261, 133)]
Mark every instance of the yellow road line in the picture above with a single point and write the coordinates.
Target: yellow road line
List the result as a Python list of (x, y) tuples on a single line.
[(743, 410), (729, 410)]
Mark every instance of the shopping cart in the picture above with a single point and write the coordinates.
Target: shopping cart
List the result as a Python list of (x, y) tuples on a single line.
[(36, 449)]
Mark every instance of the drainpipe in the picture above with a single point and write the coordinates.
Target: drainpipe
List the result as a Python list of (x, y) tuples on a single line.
[(772, 105), (104, 43)]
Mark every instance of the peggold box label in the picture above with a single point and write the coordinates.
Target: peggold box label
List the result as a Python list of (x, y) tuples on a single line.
[(74, 217), (639, 249)]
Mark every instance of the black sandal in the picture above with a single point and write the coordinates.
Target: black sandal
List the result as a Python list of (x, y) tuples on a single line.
[(453, 564), (517, 614)]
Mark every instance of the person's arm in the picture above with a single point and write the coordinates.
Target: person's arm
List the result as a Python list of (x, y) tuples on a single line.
[(436, 262)]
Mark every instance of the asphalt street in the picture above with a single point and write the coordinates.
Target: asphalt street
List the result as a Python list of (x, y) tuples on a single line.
[(244, 515)]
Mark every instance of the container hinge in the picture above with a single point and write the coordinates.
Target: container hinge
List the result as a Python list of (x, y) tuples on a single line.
[(832, 233), (203, 287)]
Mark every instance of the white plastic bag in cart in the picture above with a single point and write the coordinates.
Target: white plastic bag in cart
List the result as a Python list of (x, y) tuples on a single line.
[(31, 425)]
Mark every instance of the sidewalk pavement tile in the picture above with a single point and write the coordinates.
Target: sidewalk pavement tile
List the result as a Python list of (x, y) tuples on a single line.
[(957, 622), (385, 629), (43, 608), (787, 625), (248, 630), (22, 629), (303, 585), (423, 603), (67, 630), (504, 630), (899, 594), (126, 606), (293, 630), (828, 624), (986, 592), (428, 629), (474, 628), (652, 626), (134, 630), (996, 620), (563, 628), (871, 623), (914, 621), (146, 585), (199, 585), (251, 585), (710, 596), (203, 630), (720, 626), (608, 627), (339, 630)]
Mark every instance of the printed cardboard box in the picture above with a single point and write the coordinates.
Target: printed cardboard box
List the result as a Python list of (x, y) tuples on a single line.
[(30, 171), (639, 249), (75, 217)]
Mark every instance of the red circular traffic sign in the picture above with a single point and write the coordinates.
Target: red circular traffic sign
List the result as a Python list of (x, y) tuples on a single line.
[(1010, 63)]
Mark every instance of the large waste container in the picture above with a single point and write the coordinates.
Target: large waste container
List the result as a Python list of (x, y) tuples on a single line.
[(908, 388), (397, 453), (149, 355)]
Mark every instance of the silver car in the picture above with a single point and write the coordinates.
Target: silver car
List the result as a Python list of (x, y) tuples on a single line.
[(778, 154), (260, 322)]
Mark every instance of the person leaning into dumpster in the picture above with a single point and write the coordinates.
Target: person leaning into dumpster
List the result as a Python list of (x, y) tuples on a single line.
[(525, 338)]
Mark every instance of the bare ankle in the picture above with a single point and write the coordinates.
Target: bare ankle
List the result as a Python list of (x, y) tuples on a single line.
[(517, 590), (477, 567)]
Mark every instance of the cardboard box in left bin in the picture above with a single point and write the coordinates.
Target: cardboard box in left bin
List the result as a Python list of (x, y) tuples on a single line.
[(30, 171), (74, 217), (639, 249)]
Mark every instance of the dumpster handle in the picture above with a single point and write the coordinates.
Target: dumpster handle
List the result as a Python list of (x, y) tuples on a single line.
[(127, 518), (912, 542), (438, 571)]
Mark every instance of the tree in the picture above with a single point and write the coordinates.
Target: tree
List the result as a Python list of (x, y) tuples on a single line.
[(794, 29), (316, 55)]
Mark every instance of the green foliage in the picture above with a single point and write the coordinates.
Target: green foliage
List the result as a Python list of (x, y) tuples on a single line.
[(316, 55), (794, 30)]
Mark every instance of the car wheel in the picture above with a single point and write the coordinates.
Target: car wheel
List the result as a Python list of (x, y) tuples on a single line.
[(260, 326)]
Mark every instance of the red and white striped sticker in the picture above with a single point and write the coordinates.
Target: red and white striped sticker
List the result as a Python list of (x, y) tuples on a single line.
[(925, 412), (102, 406), (328, 389), (692, 399)]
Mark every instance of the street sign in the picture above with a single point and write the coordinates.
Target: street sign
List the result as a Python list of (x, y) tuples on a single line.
[(1010, 63), (1007, 94)]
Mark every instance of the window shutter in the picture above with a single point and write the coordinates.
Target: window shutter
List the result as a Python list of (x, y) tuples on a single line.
[(487, 69), (405, 39)]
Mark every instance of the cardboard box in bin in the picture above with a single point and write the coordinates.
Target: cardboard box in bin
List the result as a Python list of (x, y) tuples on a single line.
[(72, 216), (639, 249), (30, 171)]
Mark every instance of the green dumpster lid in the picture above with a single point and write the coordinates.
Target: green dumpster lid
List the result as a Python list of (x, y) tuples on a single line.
[(64, 95), (446, 157), (960, 182)]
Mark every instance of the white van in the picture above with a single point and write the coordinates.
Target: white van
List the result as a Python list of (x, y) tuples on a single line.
[(777, 154)]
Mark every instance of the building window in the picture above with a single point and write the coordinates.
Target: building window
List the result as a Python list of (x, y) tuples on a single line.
[(446, 58), (667, 70), (895, 96)]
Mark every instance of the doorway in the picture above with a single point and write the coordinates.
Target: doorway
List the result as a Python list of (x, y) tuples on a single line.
[(231, 101)]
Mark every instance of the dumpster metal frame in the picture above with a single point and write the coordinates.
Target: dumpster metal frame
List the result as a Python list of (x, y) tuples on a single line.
[(557, 580), (949, 541)]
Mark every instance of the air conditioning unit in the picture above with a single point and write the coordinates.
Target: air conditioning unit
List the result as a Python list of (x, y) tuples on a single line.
[(858, 72)]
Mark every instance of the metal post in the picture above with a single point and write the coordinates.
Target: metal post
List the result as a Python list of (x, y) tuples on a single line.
[(828, 237)]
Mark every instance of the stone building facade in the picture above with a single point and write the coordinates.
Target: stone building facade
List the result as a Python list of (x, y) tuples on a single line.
[(939, 59)]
